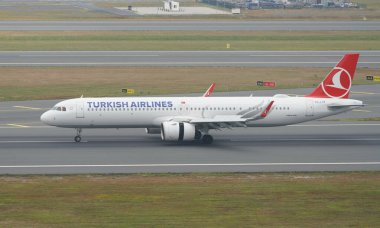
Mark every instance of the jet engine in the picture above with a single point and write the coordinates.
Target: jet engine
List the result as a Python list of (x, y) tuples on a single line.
[(153, 131), (176, 131)]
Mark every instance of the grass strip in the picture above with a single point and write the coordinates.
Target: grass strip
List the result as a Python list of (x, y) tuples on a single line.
[(30, 83), (192, 200)]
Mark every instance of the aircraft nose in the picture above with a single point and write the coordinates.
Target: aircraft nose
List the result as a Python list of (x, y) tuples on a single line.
[(46, 118)]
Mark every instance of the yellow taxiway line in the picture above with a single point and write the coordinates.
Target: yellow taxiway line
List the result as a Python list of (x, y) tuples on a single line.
[(368, 93), (26, 107), (17, 125), (360, 110)]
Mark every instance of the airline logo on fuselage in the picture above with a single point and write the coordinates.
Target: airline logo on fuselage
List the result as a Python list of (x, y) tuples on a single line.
[(130, 104), (338, 84)]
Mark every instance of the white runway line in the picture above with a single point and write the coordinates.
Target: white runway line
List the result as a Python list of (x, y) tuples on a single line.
[(40, 142), (191, 165), (333, 125)]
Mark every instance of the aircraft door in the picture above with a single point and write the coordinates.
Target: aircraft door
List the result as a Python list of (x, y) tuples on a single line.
[(80, 110), (309, 108)]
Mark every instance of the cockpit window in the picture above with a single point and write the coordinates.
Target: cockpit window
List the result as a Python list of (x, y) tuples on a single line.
[(59, 108)]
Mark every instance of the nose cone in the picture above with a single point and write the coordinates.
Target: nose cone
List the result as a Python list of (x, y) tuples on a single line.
[(47, 118)]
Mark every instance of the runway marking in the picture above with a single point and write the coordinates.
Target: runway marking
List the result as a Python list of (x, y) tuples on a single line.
[(231, 140), (88, 55), (305, 140), (331, 125), (18, 125), (26, 107), (296, 55), (191, 165), (368, 93), (361, 110), (163, 63), (12, 126), (156, 55), (41, 142)]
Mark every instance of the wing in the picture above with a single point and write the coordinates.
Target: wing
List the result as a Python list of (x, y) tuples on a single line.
[(239, 120)]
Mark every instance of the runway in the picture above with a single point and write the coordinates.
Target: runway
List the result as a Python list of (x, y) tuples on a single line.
[(196, 25), (28, 147), (369, 59)]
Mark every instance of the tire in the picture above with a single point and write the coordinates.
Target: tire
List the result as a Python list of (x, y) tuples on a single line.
[(207, 139), (198, 135), (77, 139)]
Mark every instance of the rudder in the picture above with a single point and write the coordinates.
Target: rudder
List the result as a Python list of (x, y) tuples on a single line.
[(337, 83)]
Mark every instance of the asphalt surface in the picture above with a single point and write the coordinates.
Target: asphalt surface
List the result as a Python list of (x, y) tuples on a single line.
[(28, 147), (190, 25), (370, 59)]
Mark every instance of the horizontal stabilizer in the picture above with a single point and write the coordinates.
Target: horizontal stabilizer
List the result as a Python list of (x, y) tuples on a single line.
[(344, 105)]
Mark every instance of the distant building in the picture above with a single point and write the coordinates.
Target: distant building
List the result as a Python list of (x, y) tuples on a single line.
[(171, 5)]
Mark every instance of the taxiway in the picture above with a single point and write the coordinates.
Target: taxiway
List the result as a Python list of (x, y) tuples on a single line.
[(370, 59)]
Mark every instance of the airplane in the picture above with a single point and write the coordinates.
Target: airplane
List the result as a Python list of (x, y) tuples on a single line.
[(191, 118)]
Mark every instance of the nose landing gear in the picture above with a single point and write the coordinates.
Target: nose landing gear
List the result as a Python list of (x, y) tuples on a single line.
[(78, 138)]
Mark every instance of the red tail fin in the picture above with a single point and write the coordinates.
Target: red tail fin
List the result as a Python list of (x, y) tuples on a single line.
[(337, 83)]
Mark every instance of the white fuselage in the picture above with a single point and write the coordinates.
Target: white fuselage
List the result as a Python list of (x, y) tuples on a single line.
[(150, 112)]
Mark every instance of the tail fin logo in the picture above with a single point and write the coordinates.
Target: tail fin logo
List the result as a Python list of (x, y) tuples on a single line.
[(338, 84)]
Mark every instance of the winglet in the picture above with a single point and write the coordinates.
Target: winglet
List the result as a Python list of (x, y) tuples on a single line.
[(265, 112), (209, 90)]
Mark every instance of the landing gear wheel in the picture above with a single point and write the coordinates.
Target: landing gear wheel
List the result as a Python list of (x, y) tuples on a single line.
[(207, 139), (77, 139), (198, 135)]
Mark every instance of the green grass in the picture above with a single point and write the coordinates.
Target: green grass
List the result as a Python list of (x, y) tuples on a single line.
[(192, 200), (32, 83), (189, 40)]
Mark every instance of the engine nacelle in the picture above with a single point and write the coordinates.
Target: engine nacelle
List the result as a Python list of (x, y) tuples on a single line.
[(176, 131), (152, 131)]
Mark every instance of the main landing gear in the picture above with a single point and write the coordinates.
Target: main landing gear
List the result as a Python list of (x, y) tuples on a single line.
[(78, 138), (207, 139)]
